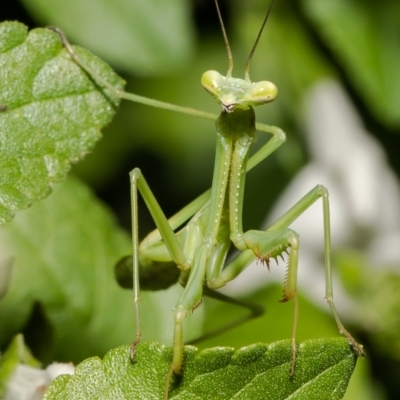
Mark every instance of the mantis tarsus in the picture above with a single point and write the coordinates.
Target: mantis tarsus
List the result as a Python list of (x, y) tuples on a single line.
[(214, 220)]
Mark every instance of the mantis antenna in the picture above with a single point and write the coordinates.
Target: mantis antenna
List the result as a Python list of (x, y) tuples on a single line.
[(246, 71), (228, 48)]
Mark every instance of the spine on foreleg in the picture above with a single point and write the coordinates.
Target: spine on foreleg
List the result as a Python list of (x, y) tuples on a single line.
[(290, 281), (274, 253)]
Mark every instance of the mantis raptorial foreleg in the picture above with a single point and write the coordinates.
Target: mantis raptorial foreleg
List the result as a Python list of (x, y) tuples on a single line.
[(276, 235)]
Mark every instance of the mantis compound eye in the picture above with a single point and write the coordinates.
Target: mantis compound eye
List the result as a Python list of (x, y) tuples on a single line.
[(261, 93), (211, 81)]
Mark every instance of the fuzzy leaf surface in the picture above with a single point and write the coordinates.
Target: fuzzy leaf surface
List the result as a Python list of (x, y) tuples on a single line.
[(51, 113), (260, 371)]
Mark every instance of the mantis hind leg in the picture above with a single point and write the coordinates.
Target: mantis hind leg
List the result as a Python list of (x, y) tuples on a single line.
[(255, 311), (321, 192), (273, 242)]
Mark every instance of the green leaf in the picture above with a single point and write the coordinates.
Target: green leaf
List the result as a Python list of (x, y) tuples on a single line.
[(142, 37), (64, 249), (52, 113), (260, 371)]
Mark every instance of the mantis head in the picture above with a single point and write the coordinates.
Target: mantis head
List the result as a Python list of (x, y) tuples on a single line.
[(234, 93)]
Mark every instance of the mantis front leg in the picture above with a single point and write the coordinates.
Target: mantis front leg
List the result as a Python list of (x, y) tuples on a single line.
[(277, 239)]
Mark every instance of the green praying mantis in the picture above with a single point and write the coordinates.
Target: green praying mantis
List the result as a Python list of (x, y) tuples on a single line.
[(214, 220)]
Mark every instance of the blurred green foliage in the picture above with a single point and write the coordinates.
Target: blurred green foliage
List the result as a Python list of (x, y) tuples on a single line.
[(162, 48)]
